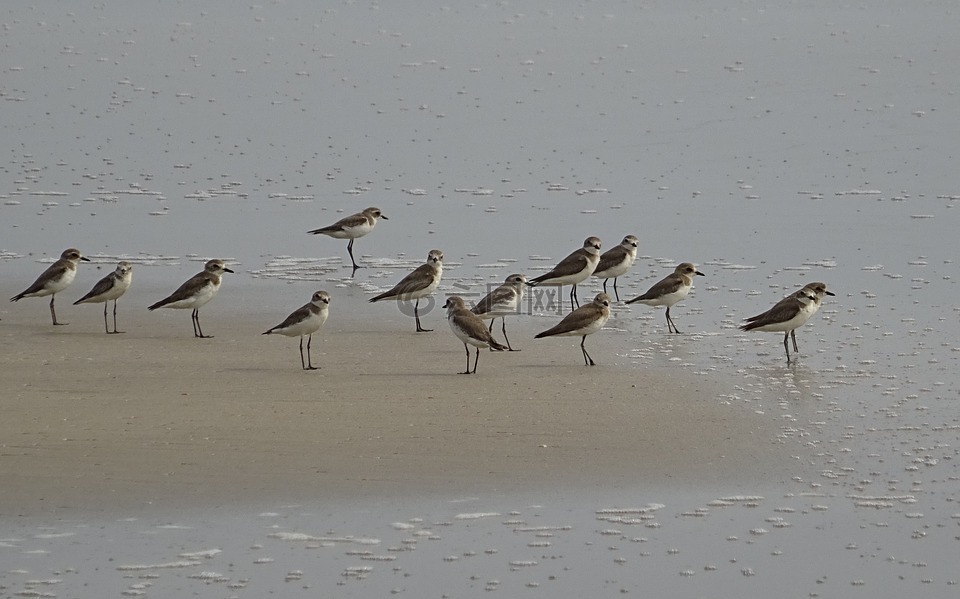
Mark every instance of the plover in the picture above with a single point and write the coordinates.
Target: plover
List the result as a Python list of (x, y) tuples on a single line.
[(352, 227), (110, 287), (575, 268), (419, 283), (469, 328), (670, 290), (502, 301), (306, 320), (616, 261), (55, 279), (583, 321), (195, 292), (789, 314)]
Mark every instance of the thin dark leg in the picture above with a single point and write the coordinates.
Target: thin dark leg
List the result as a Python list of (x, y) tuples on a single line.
[(105, 327), (605, 284), (416, 314), (466, 349), (504, 321), (672, 324), (53, 311), (475, 360), (573, 296), (197, 331), (785, 347), (587, 360), (352, 261), (615, 292), (310, 365), (490, 328), (793, 335), (114, 331), (302, 365)]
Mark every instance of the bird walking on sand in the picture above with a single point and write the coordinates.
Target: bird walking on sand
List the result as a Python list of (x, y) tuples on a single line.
[(305, 320), (352, 227), (789, 314), (501, 302), (54, 279), (616, 262), (583, 321), (670, 290), (110, 287), (195, 292), (575, 268), (469, 328), (420, 283)]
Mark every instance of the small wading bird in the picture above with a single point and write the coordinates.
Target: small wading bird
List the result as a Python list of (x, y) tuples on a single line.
[(195, 292), (469, 328), (110, 287), (616, 261), (670, 290), (789, 314), (583, 321), (306, 320), (575, 268), (419, 283), (54, 279), (352, 227), (501, 302)]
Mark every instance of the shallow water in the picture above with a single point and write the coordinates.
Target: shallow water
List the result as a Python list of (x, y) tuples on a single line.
[(772, 145)]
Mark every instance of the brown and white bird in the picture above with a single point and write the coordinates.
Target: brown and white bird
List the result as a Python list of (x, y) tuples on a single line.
[(501, 302), (54, 279), (789, 314), (420, 283), (110, 287), (306, 320), (352, 227), (670, 290), (585, 320), (616, 262), (195, 292), (469, 328), (575, 268)]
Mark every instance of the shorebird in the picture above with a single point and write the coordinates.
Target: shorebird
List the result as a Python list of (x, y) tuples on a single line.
[(575, 268), (305, 320), (195, 292), (469, 328), (55, 279), (110, 287), (583, 321), (502, 301), (419, 283), (789, 314), (616, 261), (670, 290), (352, 227)]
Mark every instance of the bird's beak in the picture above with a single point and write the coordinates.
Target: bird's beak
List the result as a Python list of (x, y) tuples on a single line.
[(85, 259), (830, 293), (700, 273), (225, 269), (384, 217)]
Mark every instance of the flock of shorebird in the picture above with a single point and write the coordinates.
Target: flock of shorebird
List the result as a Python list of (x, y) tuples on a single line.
[(467, 323)]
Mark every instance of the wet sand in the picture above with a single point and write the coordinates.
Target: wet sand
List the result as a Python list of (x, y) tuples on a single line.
[(156, 418)]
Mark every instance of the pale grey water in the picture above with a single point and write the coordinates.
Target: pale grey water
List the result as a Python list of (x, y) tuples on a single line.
[(773, 144)]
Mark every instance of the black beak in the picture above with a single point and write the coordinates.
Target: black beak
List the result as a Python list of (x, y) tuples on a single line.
[(700, 273), (225, 269)]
